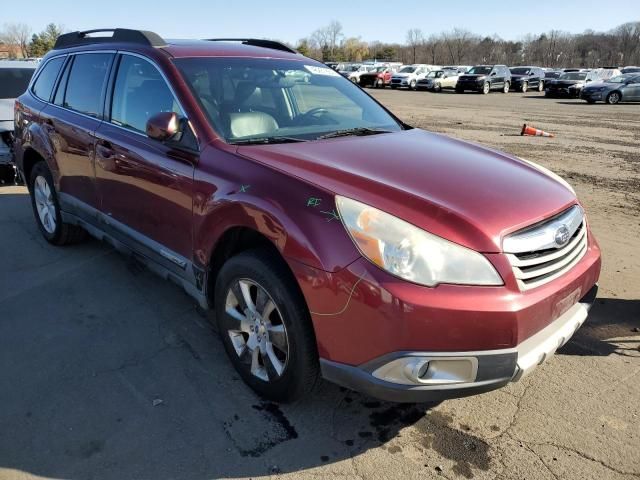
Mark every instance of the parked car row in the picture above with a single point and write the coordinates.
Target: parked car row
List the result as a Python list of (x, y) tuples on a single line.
[(608, 84)]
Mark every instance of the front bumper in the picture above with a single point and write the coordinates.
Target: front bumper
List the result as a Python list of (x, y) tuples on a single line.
[(475, 86), (588, 95), (6, 152), (433, 376)]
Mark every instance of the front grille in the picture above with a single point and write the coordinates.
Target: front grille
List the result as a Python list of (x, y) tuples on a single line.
[(535, 267)]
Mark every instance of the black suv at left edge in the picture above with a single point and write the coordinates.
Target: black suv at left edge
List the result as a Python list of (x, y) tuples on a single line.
[(526, 78), (484, 78)]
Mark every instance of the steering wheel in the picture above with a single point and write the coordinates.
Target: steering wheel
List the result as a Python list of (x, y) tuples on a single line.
[(316, 113)]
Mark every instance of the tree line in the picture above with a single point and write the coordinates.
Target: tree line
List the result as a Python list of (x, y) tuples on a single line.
[(617, 47), (24, 43)]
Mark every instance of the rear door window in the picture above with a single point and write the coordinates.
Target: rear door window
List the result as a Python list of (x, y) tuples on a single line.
[(43, 85), (87, 81)]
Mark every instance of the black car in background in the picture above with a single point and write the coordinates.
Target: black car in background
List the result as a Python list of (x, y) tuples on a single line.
[(630, 70), (484, 78), (526, 78), (569, 84), (623, 88), (551, 74)]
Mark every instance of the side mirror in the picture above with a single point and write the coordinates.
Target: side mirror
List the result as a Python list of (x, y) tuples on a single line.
[(162, 126), (588, 80), (493, 74)]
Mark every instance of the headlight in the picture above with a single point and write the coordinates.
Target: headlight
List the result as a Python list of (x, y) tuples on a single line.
[(411, 253)]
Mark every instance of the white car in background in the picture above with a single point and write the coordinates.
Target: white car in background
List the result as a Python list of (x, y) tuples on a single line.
[(409, 75), (353, 71), (14, 80), (437, 80)]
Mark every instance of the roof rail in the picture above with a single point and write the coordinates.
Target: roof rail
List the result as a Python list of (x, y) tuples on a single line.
[(119, 35), (256, 42)]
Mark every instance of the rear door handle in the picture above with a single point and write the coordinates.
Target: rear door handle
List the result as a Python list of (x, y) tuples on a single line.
[(104, 149)]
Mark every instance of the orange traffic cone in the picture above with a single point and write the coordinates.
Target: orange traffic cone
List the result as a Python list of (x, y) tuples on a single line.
[(534, 132)]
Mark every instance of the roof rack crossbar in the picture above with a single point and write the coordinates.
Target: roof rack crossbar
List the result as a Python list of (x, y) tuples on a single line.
[(257, 42), (119, 35)]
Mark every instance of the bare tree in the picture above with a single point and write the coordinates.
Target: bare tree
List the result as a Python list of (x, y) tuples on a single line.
[(415, 38), (17, 34)]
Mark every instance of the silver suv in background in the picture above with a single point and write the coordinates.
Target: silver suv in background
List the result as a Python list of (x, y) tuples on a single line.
[(14, 79)]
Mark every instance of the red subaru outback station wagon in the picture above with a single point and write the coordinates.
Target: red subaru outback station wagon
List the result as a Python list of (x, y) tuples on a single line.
[(327, 237)]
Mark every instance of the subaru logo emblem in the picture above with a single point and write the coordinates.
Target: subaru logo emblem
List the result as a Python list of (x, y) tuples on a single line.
[(562, 236)]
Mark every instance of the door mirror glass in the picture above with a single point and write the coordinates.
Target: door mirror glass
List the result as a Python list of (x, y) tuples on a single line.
[(163, 126), (493, 74)]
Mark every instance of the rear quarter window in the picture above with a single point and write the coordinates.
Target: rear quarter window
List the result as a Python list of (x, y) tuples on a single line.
[(86, 83), (46, 80)]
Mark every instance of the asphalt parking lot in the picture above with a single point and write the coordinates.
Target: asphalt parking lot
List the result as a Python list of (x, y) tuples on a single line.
[(108, 372)]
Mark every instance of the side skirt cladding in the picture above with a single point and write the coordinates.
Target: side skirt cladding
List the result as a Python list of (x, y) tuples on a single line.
[(156, 257)]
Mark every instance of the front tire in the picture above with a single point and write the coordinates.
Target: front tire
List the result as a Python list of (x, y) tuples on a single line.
[(506, 87), (7, 174), (437, 87), (540, 86), (265, 326), (613, 98), (46, 208), (525, 87), (412, 85), (486, 88)]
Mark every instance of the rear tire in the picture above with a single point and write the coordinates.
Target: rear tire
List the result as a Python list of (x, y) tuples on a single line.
[(46, 208), (459, 90), (540, 86), (265, 326)]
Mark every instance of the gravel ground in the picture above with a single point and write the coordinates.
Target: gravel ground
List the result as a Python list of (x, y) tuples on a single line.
[(107, 372)]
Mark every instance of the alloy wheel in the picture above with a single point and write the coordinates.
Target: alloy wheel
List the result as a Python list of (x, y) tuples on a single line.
[(45, 204), (257, 333), (525, 87)]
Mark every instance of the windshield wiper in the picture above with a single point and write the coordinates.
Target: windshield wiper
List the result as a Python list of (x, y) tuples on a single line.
[(267, 140), (356, 132)]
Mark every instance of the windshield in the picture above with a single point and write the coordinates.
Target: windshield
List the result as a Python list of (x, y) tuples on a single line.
[(480, 71), (407, 70), (14, 81), (619, 79), (520, 71), (247, 98), (573, 76)]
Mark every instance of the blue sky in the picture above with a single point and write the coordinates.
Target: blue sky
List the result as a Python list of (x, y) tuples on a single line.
[(292, 20)]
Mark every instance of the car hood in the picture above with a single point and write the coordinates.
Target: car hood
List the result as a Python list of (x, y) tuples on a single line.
[(402, 75), (567, 82), (464, 192), (6, 109)]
